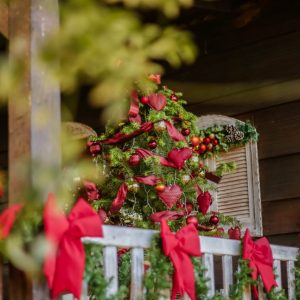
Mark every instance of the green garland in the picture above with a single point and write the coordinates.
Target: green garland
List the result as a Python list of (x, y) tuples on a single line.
[(297, 277), (157, 279)]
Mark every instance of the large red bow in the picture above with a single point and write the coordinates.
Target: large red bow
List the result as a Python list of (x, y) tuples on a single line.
[(7, 219), (259, 254), (179, 247), (64, 266)]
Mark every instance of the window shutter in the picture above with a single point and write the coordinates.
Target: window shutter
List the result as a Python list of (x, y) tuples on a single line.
[(238, 192)]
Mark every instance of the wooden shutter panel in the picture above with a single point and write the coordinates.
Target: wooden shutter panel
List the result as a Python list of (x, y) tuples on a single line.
[(238, 193)]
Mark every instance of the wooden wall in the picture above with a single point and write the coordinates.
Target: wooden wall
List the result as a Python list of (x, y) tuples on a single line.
[(279, 161)]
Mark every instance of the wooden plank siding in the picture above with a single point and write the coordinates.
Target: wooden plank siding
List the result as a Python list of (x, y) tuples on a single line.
[(279, 161)]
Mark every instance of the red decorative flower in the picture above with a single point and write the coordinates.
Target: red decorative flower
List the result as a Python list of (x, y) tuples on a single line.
[(155, 78)]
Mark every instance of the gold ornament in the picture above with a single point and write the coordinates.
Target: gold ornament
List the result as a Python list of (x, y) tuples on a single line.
[(160, 126), (133, 187), (186, 178)]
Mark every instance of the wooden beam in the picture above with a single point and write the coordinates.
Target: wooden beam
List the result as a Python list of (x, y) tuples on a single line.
[(34, 111), (4, 13)]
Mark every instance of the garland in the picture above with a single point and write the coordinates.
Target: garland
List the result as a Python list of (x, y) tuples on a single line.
[(157, 279)]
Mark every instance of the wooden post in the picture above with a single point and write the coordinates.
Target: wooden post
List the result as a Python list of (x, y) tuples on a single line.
[(34, 109)]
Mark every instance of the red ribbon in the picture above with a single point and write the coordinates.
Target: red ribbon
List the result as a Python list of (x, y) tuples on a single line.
[(121, 137), (64, 266), (7, 219), (120, 198), (179, 247), (259, 254), (173, 132), (134, 110), (167, 215)]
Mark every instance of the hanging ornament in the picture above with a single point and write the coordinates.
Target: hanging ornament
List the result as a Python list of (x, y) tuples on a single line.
[(209, 147), (144, 100), (134, 187), (202, 173), (186, 178), (215, 142), (201, 164), (212, 136), (214, 220), (185, 131), (206, 140), (174, 98), (152, 144), (192, 220), (202, 148), (134, 160), (195, 140), (95, 148), (160, 188), (160, 126), (189, 207), (234, 233)]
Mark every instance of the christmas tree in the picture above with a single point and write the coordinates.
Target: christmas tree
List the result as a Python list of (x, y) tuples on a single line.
[(154, 164)]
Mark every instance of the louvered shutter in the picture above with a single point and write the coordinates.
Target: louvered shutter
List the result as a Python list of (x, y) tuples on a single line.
[(238, 193)]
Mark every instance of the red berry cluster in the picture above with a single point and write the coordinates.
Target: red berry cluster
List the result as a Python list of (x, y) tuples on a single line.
[(204, 144)]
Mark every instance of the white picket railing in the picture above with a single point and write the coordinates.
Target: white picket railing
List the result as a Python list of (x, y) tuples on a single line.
[(140, 239)]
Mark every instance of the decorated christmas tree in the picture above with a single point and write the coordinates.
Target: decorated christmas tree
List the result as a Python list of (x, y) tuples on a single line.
[(154, 164)]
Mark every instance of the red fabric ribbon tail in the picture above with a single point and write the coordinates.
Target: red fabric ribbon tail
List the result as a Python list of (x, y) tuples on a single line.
[(149, 180), (173, 132), (120, 199), (134, 110), (7, 219)]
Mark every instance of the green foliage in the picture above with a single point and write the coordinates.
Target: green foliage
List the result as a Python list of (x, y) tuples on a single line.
[(224, 168), (297, 277), (158, 277)]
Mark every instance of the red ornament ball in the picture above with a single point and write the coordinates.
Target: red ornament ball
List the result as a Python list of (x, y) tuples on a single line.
[(195, 141), (189, 207), (185, 131), (234, 233), (215, 142), (145, 100), (192, 220), (173, 97), (202, 148), (134, 160), (206, 140), (152, 144), (95, 148), (214, 220), (160, 188)]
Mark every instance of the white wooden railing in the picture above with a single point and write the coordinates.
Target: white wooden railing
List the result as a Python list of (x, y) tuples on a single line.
[(140, 239)]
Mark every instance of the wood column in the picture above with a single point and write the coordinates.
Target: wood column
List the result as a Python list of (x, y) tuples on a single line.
[(34, 111)]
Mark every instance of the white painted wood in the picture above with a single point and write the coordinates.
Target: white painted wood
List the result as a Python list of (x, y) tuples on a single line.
[(111, 269), (291, 279), (137, 274), (246, 191), (247, 293), (208, 263), (277, 267), (227, 274)]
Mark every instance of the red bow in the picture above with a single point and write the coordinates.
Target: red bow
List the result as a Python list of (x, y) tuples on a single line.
[(7, 219), (259, 254), (134, 110), (179, 247), (64, 266)]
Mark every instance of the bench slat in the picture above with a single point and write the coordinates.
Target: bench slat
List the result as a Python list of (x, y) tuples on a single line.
[(111, 269), (137, 273)]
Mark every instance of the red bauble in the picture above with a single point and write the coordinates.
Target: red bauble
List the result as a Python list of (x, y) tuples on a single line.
[(134, 160), (189, 207), (145, 100), (95, 148), (179, 205), (214, 220), (202, 148), (192, 220), (195, 141), (160, 188), (210, 146), (234, 233), (173, 97), (185, 131), (201, 164), (152, 144), (102, 214), (206, 140), (215, 142)]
